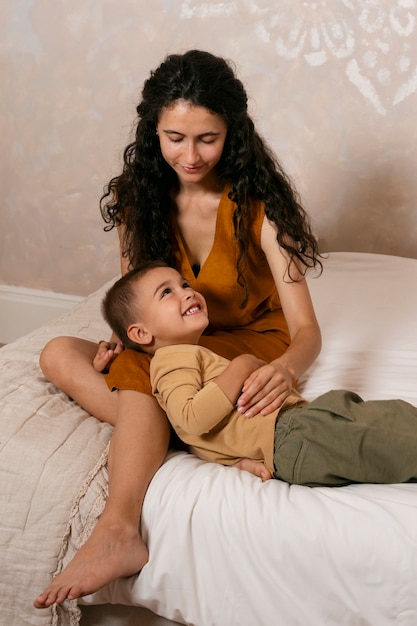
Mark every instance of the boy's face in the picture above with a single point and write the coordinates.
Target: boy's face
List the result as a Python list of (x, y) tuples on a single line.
[(170, 310)]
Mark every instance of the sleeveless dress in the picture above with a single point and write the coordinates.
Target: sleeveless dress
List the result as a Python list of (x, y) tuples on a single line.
[(259, 328)]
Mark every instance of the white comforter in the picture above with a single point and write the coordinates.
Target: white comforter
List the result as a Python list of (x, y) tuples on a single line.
[(225, 549)]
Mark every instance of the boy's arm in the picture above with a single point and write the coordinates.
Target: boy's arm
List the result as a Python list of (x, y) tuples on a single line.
[(191, 409), (232, 378), (192, 406)]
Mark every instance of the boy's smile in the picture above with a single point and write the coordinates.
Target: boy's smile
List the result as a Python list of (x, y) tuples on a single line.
[(192, 310), (169, 310)]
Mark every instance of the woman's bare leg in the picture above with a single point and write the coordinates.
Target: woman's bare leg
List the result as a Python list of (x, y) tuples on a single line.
[(115, 547), (68, 363)]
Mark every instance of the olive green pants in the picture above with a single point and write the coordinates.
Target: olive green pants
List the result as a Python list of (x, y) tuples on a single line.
[(340, 439)]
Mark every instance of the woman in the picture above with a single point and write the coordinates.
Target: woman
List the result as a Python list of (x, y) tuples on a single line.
[(201, 191)]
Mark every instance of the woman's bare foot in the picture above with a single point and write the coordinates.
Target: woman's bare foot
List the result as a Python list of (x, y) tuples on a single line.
[(258, 468), (111, 552)]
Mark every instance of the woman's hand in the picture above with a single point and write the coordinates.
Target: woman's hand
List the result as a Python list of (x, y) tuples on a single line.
[(265, 390), (107, 351)]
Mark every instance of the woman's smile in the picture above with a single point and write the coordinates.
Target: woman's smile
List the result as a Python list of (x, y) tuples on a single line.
[(191, 140)]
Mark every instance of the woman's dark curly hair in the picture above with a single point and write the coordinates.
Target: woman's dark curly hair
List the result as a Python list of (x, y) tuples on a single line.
[(140, 197)]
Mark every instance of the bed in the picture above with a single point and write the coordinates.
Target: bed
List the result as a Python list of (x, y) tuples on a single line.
[(225, 549)]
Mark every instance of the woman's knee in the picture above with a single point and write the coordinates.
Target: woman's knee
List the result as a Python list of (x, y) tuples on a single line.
[(57, 357)]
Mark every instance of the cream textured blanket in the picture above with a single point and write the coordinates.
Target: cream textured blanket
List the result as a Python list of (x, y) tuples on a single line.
[(51, 453)]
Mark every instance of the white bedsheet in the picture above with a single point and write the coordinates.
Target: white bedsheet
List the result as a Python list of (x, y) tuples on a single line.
[(225, 549)]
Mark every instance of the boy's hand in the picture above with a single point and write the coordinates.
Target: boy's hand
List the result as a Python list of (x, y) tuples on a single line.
[(107, 351), (232, 378), (265, 390), (250, 362)]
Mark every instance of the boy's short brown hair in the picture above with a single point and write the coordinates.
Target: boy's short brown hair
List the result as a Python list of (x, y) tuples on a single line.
[(119, 304)]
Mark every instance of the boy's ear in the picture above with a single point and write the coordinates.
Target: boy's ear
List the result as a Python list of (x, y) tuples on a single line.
[(139, 334)]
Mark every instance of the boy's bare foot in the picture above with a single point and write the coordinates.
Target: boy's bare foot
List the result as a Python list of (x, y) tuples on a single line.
[(111, 552), (258, 468)]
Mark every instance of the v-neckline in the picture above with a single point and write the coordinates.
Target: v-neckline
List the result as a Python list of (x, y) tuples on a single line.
[(196, 269), (182, 246)]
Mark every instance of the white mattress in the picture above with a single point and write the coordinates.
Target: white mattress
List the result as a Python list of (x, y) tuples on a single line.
[(225, 549)]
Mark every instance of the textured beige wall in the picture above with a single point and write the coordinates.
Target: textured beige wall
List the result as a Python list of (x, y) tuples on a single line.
[(332, 83)]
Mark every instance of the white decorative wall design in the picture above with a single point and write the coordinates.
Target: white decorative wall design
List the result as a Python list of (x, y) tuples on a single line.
[(371, 39)]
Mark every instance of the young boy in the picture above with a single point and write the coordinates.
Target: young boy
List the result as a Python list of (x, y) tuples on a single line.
[(335, 440)]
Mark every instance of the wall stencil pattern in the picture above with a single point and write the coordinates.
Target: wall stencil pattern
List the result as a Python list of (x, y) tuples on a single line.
[(332, 86), (371, 40)]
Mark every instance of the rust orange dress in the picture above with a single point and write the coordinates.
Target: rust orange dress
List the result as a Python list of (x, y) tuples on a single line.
[(259, 328)]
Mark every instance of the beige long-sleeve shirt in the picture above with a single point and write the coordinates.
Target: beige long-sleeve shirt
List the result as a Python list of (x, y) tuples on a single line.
[(182, 379)]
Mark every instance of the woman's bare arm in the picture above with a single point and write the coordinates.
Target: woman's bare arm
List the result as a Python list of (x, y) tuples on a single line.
[(266, 389), (107, 350)]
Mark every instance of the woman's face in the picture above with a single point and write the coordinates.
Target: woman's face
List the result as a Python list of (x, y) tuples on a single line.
[(191, 140)]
